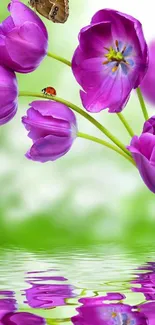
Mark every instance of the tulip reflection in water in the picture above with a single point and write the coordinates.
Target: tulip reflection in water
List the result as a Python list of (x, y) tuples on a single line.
[(48, 295), (146, 281), (47, 292), (10, 316), (7, 304), (96, 311)]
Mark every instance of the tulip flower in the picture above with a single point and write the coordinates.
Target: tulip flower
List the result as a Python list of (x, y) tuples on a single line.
[(8, 95), (148, 83), (149, 125), (143, 152), (52, 127), (110, 61), (23, 39)]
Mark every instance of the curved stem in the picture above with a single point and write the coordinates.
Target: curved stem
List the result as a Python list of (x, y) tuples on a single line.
[(81, 112), (59, 58), (104, 143), (142, 103), (126, 124)]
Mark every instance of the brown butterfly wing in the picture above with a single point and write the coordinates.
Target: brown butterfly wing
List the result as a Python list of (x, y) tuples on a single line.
[(55, 10), (43, 7), (59, 11)]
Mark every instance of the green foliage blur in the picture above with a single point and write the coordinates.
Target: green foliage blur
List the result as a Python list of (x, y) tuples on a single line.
[(89, 196)]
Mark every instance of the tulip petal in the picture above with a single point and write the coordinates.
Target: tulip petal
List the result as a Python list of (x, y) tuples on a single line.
[(20, 14), (124, 27), (49, 148), (54, 109), (146, 170), (23, 48), (113, 93), (23, 39), (93, 39), (7, 25), (146, 144), (149, 125), (8, 95), (41, 126), (141, 149), (148, 83), (52, 127), (7, 113)]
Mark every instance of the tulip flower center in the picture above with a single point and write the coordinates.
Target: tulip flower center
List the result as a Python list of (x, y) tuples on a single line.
[(116, 56)]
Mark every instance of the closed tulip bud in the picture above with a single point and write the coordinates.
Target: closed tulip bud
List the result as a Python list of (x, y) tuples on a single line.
[(52, 128)]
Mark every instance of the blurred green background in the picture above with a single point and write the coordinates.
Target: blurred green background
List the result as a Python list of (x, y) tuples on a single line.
[(91, 195)]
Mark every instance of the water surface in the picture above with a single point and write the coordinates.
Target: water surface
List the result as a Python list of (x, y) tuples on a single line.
[(100, 285)]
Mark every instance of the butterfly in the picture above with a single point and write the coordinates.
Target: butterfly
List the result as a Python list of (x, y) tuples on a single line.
[(50, 91), (55, 10)]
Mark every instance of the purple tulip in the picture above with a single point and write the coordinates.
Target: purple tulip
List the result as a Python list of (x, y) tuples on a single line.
[(94, 311), (149, 126), (8, 95), (48, 295), (23, 39), (143, 152), (22, 318), (148, 83), (110, 61), (52, 127)]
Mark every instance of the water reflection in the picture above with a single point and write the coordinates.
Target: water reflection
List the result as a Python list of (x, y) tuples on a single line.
[(95, 312), (22, 318), (51, 296), (146, 281), (9, 314), (48, 295)]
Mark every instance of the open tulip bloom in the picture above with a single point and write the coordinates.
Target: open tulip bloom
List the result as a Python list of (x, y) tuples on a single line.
[(111, 60)]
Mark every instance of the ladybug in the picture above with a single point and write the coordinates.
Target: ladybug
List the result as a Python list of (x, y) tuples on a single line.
[(49, 91)]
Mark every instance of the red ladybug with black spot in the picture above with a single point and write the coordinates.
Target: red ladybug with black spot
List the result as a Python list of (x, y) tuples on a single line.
[(49, 91)]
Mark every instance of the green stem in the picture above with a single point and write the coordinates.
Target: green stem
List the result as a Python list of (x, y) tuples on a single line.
[(126, 124), (81, 112), (59, 58), (142, 103), (106, 144)]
